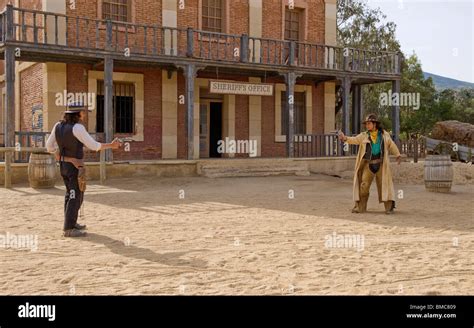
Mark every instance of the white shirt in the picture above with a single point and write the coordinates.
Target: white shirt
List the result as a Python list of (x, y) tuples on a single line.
[(80, 132)]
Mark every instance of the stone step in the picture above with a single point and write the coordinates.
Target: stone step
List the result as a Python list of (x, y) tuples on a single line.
[(249, 168)]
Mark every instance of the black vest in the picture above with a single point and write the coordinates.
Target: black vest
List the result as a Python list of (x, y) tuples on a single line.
[(69, 145)]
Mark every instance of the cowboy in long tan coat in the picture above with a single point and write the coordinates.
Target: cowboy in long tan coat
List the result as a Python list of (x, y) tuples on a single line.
[(375, 146)]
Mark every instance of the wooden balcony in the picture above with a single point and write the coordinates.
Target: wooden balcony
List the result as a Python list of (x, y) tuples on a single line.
[(38, 36), (44, 36)]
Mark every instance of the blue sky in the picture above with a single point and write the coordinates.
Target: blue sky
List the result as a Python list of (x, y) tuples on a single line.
[(440, 32)]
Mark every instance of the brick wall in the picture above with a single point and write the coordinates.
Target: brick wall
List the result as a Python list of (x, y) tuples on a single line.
[(30, 4), (145, 11), (150, 12), (270, 148), (31, 94), (273, 20), (241, 120), (151, 147)]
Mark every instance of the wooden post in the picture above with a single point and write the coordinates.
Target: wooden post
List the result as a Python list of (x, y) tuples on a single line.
[(292, 54), (9, 62), (396, 114), (103, 168), (345, 58), (190, 75), (244, 48), (397, 63), (290, 79), (9, 111), (108, 94), (415, 155), (356, 108), (346, 89), (8, 169), (190, 42), (108, 104)]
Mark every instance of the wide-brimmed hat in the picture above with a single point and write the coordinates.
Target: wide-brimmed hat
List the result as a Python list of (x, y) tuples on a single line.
[(76, 108), (371, 118)]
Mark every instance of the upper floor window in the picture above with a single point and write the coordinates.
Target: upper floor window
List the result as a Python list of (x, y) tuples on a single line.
[(213, 15), (117, 10), (293, 19)]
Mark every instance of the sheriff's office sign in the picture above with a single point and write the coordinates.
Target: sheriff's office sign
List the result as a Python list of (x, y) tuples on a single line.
[(239, 88)]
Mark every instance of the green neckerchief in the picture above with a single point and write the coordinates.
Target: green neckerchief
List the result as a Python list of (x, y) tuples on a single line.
[(377, 145)]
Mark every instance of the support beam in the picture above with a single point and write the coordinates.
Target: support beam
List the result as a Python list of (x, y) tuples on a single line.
[(290, 80), (356, 108), (190, 72), (396, 114), (346, 92), (109, 91), (8, 169), (108, 104), (103, 168), (9, 62), (9, 106)]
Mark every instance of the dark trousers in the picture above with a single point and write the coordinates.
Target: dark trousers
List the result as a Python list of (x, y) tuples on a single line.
[(74, 197)]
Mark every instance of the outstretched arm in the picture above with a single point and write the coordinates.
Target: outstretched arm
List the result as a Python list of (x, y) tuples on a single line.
[(357, 140), (83, 136)]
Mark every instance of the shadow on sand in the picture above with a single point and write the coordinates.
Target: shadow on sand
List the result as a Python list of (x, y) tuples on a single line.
[(133, 252)]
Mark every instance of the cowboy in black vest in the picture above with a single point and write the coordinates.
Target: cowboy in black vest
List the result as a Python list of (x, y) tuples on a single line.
[(68, 139)]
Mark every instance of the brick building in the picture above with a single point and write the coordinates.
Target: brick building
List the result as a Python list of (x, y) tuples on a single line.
[(162, 56)]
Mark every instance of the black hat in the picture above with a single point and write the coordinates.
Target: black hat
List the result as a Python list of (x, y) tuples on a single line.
[(76, 108)]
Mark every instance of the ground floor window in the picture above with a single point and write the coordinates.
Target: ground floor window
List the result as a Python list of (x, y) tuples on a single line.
[(124, 107), (300, 113)]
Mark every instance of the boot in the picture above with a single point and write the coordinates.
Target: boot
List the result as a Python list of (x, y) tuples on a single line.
[(363, 204), (355, 209), (389, 207), (80, 226), (74, 233)]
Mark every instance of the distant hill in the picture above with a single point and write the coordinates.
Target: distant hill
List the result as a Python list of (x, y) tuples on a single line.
[(442, 82)]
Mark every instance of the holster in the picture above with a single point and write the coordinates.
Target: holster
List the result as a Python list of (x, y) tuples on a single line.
[(80, 166), (81, 178)]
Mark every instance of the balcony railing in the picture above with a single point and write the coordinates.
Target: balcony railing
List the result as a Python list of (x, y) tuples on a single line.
[(29, 139), (306, 145), (321, 145), (47, 30)]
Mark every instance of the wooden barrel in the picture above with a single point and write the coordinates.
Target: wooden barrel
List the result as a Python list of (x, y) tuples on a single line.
[(438, 173), (42, 171)]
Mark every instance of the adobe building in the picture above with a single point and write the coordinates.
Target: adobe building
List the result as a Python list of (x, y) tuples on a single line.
[(178, 76)]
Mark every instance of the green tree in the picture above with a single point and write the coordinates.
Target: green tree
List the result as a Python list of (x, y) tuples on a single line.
[(413, 119), (359, 26), (463, 109)]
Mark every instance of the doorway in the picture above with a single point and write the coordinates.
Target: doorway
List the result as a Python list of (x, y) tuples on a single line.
[(210, 127), (215, 128)]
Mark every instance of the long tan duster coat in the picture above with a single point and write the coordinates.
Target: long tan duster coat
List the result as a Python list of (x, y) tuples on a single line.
[(388, 191)]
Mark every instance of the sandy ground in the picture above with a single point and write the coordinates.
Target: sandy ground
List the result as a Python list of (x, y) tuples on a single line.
[(240, 236)]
